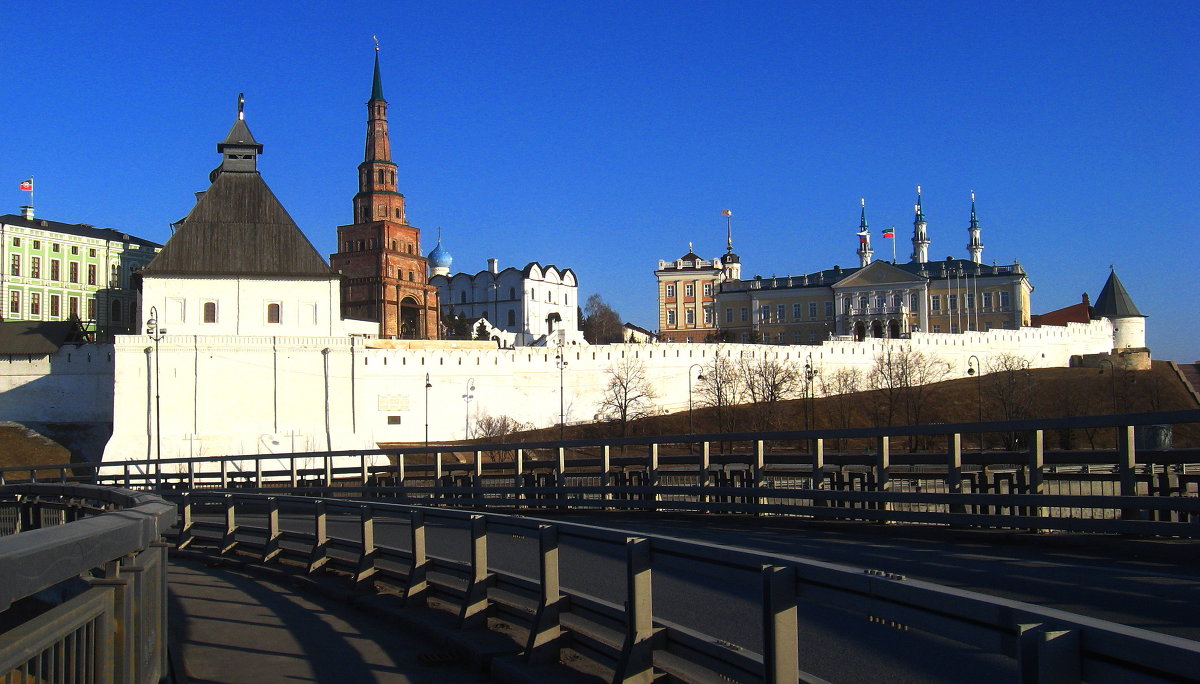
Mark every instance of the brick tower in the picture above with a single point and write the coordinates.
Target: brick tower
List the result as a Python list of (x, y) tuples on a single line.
[(385, 278)]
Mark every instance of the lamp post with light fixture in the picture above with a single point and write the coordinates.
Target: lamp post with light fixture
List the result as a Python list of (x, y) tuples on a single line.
[(156, 334)]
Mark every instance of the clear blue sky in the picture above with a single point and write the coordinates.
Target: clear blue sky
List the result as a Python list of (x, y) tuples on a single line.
[(605, 136)]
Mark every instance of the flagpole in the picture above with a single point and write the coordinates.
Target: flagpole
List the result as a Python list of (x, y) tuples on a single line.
[(893, 245)]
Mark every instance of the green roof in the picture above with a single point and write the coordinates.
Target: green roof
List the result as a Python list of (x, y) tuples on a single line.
[(377, 82)]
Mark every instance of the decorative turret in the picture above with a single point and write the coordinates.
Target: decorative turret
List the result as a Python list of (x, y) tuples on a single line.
[(730, 262), (864, 237), (920, 239), (1115, 304), (239, 150), (974, 246)]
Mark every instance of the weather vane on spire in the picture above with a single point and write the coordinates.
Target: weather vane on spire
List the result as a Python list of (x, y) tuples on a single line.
[(241, 105), (376, 39)]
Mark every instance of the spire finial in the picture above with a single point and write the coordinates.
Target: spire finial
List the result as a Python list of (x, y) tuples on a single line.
[(376, 80), (689, 246), (241, 106), (376, 39), (862, 219), (728, 230)]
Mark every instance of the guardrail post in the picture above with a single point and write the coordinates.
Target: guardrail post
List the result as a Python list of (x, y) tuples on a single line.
[(818, 466), (366, 553), (191, 475), (883, 462), (1048, 655), (545, 636), (418, 588), (781, 658), (954, 469), (702, 474), (224, 474), (636, 663), (401, 475), (1126, 468), (117, 639), (652, 478), (271, 546), (320, 548), (518, 468), (477, 475), (362, 470), (229, 538), (475, 603), (1037, 463), (606, 474), (258, 478), (185, 521), (560, 479), (328, 471), (126, 468), (292, 476)]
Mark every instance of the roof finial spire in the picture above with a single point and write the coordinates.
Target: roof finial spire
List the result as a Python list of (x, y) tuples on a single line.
[(376, 80), (376, 39), (241, 106)]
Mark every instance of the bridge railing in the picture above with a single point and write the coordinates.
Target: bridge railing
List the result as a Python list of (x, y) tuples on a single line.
[(1154, 490), (554, 606), (83, 584)]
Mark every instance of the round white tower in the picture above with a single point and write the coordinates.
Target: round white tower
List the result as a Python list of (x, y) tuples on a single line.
[(1115, 304)]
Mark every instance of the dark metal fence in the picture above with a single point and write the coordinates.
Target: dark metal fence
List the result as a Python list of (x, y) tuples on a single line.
[(630, 633), (83, 584)]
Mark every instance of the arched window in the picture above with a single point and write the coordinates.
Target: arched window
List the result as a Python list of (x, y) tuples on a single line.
[(381, 176), (462, 297), (115, 310), (210, 312), (512, 293), (512, 317), (273, 312)]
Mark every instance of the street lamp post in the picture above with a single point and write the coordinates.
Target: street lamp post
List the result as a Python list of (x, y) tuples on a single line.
[(560, 360), (691, 422), (810, 373), (156, 334), (467, 411), (974, 369), (428, 384)]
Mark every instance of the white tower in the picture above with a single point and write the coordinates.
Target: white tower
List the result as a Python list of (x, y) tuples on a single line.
[(864, 237), (1115, 304), (920, 239), (974, 246)]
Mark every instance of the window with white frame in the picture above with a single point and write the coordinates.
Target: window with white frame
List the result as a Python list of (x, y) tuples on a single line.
[(828, 309), (274, 313), (781, 313), (987, 301), (707, 289), (952, 303), (745, 314), (670, 290), (796, 311), (210, 312), (1003, 299), (689, 317), (812, 310), (728, 315), (935, 303), (689, 290), (671, 317), (708, 316)]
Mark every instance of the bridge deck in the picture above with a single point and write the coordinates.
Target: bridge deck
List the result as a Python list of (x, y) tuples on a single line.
[(230, 626)]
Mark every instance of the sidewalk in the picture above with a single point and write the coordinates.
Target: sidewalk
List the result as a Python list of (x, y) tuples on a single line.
[(230, 626)]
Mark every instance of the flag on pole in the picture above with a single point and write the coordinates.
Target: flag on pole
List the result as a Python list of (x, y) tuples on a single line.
[(27, 185), (889, 232), (727, 212)]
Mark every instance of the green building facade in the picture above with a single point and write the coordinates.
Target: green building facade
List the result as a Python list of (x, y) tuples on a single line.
[(53, 271)]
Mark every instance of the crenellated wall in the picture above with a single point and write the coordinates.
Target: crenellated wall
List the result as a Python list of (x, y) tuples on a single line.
[(230, 395)]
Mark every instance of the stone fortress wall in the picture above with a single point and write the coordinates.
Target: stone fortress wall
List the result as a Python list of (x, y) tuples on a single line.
[(261, 395)]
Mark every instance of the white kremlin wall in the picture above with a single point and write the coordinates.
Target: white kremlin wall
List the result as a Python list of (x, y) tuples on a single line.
[(260, 395)]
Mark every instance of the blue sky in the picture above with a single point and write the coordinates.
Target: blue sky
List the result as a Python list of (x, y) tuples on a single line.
[(605, 136)]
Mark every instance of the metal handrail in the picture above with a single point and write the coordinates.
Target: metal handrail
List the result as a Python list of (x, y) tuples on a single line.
[(1048, 644), (110, 625)]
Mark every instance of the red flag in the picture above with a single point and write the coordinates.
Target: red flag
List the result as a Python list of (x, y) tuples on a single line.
[(727, 212), (27, 185)]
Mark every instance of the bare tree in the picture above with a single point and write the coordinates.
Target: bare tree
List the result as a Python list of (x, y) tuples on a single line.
[(767, 383), (628, 395), (1010, 389), (720, 388), (498, 429), (838, 388), (901, 377)]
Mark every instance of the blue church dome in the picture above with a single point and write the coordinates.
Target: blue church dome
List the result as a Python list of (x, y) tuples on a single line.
[(439, 257)]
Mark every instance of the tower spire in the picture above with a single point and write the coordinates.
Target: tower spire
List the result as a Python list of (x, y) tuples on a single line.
[(974, 246), (920, 239), (864, 236), (377, 197)]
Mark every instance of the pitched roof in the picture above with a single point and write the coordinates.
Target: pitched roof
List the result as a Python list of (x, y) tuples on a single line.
[(239, 228), (77, 229), (39, 338), (1114, 301)]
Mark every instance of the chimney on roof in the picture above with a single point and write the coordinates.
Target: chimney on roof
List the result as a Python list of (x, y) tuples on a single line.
[(27, 212), (493, 265), (1086, 300)]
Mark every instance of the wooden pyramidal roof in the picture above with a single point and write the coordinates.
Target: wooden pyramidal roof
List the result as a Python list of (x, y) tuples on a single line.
[(238, 227)]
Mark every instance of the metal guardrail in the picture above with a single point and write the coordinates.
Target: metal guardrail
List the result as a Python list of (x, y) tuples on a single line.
[(632, 637), (83, 595), (1117, 491)]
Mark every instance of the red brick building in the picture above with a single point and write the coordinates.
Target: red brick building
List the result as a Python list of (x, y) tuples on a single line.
[(385, 277)]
